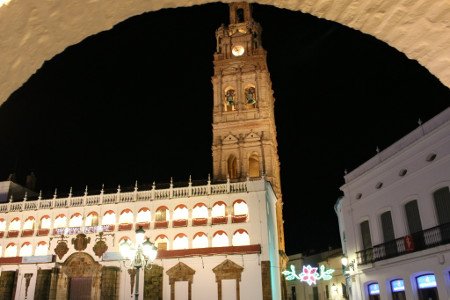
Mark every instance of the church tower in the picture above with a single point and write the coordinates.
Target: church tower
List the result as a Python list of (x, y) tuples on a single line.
[(244, 133)]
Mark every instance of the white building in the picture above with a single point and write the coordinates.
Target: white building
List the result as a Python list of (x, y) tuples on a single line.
[(332, 288), (216, 241), (394, 218), (215, 238)]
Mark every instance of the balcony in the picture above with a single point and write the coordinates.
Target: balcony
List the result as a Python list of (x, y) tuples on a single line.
[(429, 238)]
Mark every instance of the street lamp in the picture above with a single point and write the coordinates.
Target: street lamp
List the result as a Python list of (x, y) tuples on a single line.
[(348, 265), (140, 255)]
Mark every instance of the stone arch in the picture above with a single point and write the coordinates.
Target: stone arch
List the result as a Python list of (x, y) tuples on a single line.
[(254, 165), (79, 265), (232, 170), (38, 32)]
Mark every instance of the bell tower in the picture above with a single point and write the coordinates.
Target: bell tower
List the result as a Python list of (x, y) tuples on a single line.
[(244, 133)]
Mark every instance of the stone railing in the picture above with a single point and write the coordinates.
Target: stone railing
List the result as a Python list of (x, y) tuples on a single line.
[(119, 197)]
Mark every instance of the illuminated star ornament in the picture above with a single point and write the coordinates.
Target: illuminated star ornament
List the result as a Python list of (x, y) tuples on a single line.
[(309, 274)]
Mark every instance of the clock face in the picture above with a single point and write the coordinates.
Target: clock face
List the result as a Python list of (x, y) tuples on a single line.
[(237, 50)]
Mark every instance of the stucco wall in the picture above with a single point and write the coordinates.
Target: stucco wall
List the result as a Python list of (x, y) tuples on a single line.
[(32, 32)]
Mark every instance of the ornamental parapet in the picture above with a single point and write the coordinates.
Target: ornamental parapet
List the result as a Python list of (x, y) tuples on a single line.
[(135, 196)]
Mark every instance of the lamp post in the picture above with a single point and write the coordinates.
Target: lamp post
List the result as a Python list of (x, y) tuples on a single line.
[(140, 255)]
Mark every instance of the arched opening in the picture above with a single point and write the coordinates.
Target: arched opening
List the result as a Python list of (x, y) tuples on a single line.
[(219, 213), (26, 249), (180, 216), (253, 166), (240, 211), (240, 238), (91, 219), (28, 226), (126, 219), (199, 214), (109, 218), (162, 242), (44, 225), (180, 242), (11, 250), (143, 218), (76, 220), (60, 221), (220, 239), (200, 240), (250, 97), (162, 217), (41, 249), (232, 167), (230, 101)]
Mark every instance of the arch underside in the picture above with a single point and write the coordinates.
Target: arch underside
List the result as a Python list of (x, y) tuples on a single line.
[(31, 33)]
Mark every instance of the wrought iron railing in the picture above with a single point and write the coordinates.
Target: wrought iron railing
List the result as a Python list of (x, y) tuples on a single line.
[(418, 241)]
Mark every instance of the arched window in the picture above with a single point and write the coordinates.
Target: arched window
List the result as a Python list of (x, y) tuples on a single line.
[(45, 222), (109, 218), (199, 214), (91, 219), (28, 224), (26, 249), (2, 225), (144, 215), (250, 97), (11, 250), (28, 227), (126, 217), (162, 214), (240, 238), (180, 215), (200, 240), (219, 209), (60, 221), (240, 207), (253, 166), (124, 245), (180, 242), (126, 220), (200, 210), (232, 167), (14, 225), (162, 242), (41, 249), (230, 99), (76, 220), (240, 211), (220, 239)]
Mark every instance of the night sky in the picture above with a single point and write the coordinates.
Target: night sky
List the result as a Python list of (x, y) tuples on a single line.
[(135, 103)]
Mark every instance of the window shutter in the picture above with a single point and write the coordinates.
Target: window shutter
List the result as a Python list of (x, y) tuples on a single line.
[(442, 203), (388, 227), (365, 235), (413, 217)]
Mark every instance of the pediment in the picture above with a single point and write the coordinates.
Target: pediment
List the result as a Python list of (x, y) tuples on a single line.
[(252, 137), (180, 270), (228, 266), (230, 139)]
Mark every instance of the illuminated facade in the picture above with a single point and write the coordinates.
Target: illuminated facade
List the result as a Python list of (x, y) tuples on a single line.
[(220, 240), (394, 218)]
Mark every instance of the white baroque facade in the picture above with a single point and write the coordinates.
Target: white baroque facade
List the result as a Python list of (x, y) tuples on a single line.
[(394, 218), (198, 228)]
